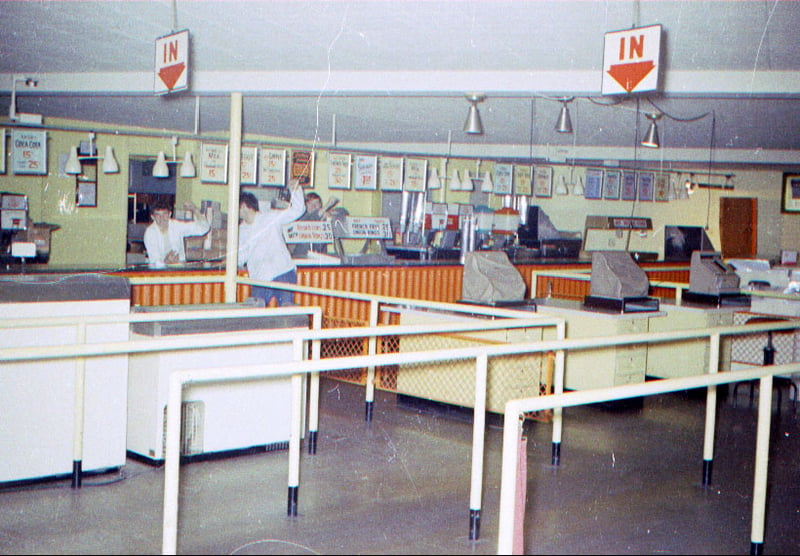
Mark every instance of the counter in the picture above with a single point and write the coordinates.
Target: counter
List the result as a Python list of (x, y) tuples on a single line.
[(600, 367), (37, 398)]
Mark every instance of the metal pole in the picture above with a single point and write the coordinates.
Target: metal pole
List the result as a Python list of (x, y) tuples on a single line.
[(512, 428)]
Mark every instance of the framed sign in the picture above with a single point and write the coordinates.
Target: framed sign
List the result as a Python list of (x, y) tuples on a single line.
[(543, 181), (390, 175), (503, 174), (339, 170), (522, 180), (416, 172), (611, 189), (214, 163), (86, 194), (594, 184), (28, 152), (249, 162), (366, 172), (661, 187), (645, 186), (272, 167), (302, 168), (86, 185), (791, 193), (628, 189)]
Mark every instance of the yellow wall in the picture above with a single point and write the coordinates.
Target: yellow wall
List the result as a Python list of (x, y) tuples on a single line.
[(96, 236)]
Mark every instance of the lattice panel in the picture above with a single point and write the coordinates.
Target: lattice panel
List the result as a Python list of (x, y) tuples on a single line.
[(385, 377), (750, 348), (453, 381)]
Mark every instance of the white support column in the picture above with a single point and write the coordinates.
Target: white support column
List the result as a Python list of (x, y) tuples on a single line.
[(234, 180), (478, 437)]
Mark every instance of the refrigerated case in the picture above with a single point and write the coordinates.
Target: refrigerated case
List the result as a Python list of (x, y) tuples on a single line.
[(218, 417), (37, 398)]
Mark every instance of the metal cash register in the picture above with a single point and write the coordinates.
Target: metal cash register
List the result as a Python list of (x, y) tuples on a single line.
[(713, 282)]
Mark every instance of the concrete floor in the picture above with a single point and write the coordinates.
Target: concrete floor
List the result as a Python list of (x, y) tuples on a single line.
[(629, 482)]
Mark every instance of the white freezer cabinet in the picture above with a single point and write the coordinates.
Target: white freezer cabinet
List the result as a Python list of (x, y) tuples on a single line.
[(218, 417)]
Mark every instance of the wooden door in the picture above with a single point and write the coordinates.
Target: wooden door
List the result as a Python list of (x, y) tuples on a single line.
[(738, 227)]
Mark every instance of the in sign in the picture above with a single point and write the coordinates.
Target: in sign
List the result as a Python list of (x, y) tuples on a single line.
[(172, 63), (630, 60)]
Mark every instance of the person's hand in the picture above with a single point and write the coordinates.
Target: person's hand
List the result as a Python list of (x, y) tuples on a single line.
[(172, 257), (196, 214), (294, 185)]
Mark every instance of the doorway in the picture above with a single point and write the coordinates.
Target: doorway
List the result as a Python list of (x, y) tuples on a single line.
[(738, 227)]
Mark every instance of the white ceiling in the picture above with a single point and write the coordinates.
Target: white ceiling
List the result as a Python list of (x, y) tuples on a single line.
[(396, 72)]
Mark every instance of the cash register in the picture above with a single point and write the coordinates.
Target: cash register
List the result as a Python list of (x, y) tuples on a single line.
[(713, 282)]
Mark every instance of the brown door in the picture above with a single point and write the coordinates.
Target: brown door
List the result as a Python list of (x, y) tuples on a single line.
[(738, 228)]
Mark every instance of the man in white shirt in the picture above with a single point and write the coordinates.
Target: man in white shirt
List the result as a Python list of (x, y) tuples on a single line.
[(261, 245), (163, 239)]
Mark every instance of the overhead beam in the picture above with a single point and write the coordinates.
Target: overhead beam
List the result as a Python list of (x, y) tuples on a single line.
[(783, 84)]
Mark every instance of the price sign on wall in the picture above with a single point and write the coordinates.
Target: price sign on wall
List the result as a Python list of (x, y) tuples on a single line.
[(29, 152), (214, 163)]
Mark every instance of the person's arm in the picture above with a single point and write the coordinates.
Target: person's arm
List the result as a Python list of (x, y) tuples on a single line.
[(297, 204), (199, 220)]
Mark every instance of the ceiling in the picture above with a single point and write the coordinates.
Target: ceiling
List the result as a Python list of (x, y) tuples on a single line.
[(358, 73)]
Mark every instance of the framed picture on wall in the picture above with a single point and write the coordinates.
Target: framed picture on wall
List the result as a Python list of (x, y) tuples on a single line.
[(503, 174), (594, 184), (390, 173), (366, 172), (661, 187), (416, 172), (339, 170), (2, 151), (645, 184), (628, 189), (791, 193), (302, 168), (522, 180), (543, 181), (272, 167), (214, 163), (611, 189), (249, 163), (28, 151), (86, 194)]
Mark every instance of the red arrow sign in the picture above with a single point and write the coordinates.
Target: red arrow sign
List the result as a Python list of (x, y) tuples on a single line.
[(630, 75), (170, 74)]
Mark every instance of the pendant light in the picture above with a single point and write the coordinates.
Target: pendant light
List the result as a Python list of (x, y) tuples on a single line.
[(564, 123), (651, 137), (473, 124), (455, 183)]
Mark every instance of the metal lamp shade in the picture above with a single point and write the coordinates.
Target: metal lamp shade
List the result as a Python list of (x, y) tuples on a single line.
[(473, 123)]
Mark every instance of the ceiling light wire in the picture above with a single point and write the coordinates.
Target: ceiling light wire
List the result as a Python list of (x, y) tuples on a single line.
[(677, 119)]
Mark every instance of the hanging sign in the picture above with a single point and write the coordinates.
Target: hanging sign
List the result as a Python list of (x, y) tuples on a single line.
[(29, 152), (630, 60), (172, 63), (365, 227), (308, 231)]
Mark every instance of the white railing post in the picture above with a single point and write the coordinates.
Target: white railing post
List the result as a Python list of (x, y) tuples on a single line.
[(711, 409), (79, 410), (295, 432), (558, 388), (374, 307), (512, 429), (313, 389), (478, 437), (761, 464), (172, 463)]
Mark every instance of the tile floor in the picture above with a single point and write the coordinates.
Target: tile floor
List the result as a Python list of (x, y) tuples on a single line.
[(629, 482)]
